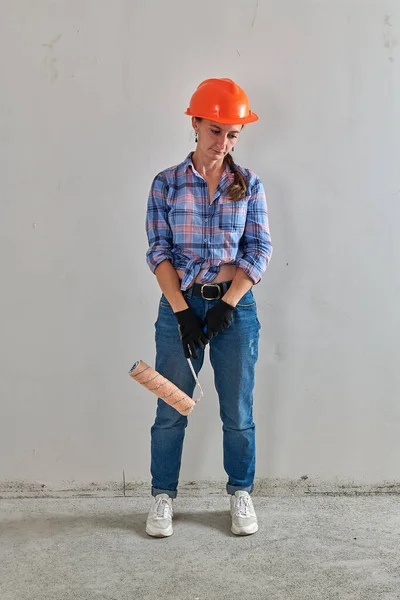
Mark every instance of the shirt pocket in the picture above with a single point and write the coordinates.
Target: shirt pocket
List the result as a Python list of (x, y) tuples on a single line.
[(232, 216), (185, 219)]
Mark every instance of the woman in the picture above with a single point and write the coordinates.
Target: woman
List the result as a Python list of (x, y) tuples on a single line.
[(209, 243)]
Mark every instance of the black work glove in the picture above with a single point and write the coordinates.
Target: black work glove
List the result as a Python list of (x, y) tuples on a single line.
[(191, 332), (218, 318)]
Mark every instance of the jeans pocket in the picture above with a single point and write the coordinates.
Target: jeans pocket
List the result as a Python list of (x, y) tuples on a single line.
[(164, 302), (247, 301)]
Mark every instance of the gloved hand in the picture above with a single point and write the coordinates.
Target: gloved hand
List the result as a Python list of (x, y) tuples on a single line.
[(191, 332), (218, 318)]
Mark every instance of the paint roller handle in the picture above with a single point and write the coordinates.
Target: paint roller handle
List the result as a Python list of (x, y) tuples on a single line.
[(201, 393)]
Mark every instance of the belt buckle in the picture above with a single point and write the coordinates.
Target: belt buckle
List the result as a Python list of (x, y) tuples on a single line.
[(210, 285)]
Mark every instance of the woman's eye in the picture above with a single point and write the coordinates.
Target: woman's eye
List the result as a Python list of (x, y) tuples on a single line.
[(214, 132)]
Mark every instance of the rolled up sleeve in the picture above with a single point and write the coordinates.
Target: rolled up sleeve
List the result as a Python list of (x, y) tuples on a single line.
[(158, 231), (255, 244)]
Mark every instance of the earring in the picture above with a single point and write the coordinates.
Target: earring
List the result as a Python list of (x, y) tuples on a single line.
[(233, 149), (196, 137)]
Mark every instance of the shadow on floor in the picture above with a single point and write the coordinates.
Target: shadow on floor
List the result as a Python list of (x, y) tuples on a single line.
[(50, 524)]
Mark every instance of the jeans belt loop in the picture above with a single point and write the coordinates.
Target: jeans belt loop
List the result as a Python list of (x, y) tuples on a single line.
[(186, 293)]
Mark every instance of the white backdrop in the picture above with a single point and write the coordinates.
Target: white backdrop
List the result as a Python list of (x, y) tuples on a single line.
[(91, 108)]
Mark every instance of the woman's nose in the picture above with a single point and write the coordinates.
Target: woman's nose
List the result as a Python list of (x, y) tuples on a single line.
[(221, 142)]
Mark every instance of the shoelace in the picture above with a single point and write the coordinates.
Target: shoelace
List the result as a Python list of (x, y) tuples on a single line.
[(162, 508), (243, 506)]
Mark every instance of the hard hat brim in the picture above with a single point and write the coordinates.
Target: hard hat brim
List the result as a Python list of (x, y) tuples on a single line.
[(251, 118)]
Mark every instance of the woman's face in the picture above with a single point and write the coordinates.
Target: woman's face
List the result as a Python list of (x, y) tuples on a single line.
[(216, 139)]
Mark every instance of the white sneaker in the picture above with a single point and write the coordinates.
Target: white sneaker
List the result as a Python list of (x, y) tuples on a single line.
[(159, 520), (244, 518)]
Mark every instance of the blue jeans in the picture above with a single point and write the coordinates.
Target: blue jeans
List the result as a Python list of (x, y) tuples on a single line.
[(233, 355)]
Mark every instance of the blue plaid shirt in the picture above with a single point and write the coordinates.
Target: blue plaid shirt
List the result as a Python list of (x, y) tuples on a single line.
[(198, 236)]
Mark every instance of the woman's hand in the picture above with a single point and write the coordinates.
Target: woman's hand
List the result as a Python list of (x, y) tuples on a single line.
[(218, 318), (191, 332)]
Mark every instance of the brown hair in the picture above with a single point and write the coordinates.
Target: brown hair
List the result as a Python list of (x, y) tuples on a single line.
[(238, 188)]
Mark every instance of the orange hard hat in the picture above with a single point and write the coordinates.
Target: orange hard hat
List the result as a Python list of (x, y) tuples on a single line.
[(223, 101)]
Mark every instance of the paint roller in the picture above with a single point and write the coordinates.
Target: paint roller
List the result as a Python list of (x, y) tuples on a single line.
[(165, 389)]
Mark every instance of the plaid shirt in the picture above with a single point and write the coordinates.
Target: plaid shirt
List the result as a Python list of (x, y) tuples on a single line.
[(198, 236)]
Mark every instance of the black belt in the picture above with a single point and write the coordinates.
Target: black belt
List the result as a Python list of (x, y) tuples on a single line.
[(209, 291)]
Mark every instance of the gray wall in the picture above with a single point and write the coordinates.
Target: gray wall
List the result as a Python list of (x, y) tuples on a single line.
[(91, 108)]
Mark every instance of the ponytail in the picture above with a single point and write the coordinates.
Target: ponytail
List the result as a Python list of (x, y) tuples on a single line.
[(238, 188)]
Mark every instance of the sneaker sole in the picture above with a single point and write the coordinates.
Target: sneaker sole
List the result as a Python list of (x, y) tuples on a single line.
[(245, 530), (160, 533)]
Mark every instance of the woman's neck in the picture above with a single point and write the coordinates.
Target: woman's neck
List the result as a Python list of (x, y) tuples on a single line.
[(206, 167)]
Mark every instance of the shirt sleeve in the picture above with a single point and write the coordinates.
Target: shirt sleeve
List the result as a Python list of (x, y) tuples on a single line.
[(158, 230), (255, 243)]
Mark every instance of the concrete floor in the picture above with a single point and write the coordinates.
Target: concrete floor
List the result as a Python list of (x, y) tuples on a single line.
[(311, 547)]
